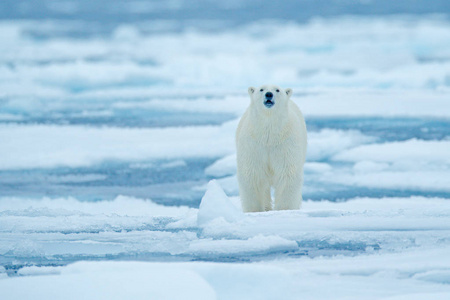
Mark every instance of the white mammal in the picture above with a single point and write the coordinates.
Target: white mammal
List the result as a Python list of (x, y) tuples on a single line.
[(271, 149)]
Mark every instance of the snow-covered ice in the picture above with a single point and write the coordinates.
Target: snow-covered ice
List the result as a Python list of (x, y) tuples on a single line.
[(388, 246), (117, 157), (215, 204)]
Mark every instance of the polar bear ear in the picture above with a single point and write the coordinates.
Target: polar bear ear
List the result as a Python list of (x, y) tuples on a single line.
[(289, 92), (251, 90)]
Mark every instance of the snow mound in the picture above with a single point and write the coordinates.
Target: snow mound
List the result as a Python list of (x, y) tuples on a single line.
[(216, 204), (124, 206), (222, 167), (111, 280)]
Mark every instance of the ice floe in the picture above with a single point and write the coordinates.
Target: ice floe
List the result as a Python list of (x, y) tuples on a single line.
[(93, 126)]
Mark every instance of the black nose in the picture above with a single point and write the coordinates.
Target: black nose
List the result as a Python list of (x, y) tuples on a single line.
[(269, 95)]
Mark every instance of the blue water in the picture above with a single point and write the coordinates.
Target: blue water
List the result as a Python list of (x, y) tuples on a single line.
[(101, 11), (93, 18), (137, 118)]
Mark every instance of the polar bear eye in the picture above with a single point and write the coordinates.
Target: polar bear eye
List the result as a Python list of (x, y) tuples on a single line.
[(278, 91), (261, 90)]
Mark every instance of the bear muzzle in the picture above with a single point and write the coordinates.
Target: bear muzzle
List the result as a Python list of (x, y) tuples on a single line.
[(268, 102)]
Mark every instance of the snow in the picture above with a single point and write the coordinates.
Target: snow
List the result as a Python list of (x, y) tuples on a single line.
[(111, 281), (377, 240), (61, 228), (222, 167), (371, 103), (418, 180), (74, 146), (328, 248), (215, 204), (319, 143), (389, 276), (253, 246), (399, 152), (77, 146), (121, 205), (399, 164), (117, 158)]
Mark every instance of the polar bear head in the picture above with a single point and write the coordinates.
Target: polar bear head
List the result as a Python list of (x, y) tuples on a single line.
[(269, 96)]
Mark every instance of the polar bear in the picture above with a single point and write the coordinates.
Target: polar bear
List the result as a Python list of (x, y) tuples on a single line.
[(271, 149)]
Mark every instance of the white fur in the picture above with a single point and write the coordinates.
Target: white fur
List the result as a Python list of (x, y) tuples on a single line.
[(271, 150)]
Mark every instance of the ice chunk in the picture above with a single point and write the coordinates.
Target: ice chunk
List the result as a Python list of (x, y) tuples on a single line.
[(222, 167), (256, 245), (317, 167), (369, 166), (216, 204), (66, 207), (328, 142), (111, 280), (76, 146), (411, 150), (412, 164), (390, 103), (425, 180)]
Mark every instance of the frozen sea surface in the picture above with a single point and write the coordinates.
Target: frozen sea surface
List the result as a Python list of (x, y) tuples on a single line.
[(117, 159)]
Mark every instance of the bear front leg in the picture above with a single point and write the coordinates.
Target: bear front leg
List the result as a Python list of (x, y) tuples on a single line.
[(288, 193), (255, 194)]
